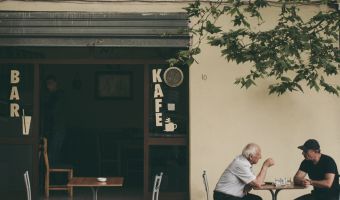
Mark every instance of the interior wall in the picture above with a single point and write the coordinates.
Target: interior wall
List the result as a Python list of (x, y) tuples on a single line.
[(85, 111)]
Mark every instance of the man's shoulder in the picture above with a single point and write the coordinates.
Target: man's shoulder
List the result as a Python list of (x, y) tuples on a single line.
[(327, 159), (241, 160), (306, 163)]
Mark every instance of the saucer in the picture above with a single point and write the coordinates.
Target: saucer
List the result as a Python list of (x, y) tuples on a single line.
[(101, 179)]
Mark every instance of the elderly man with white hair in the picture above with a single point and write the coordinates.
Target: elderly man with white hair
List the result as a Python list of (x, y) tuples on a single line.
[(238, 179)]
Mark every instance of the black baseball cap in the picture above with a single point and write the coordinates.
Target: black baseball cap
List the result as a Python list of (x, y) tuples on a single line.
[(310, 144)]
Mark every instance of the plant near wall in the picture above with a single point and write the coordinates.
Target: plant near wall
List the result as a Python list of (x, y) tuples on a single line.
[(293, 53)]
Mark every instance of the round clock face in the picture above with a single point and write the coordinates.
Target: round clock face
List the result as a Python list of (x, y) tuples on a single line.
[(173, 76)]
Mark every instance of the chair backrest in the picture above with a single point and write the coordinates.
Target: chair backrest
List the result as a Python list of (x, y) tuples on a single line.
[(28, 185), (156, 186), (206, 184), (47, 165), (339, 185)]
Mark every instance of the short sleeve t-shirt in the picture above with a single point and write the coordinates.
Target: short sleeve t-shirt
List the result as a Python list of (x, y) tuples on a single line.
[(317, 171), (238, 174)]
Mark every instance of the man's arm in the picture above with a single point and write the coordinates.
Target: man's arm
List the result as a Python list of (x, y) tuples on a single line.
[(262, 174), (325, 183), (299, 178)]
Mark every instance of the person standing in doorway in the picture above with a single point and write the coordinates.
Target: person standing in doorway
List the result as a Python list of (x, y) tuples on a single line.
[(54, 119)]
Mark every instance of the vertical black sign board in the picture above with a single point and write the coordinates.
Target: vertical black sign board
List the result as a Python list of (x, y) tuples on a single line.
[(168, 101), (15, 98)]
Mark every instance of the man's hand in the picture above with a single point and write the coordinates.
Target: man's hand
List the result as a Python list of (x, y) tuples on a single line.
[(268, 162), (262, 174), (306, 182)]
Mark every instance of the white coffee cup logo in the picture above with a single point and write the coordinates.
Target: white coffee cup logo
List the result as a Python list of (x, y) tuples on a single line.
[(169, 126)]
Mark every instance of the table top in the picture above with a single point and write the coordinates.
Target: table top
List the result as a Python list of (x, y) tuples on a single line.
[(93, 182), (271, 186)]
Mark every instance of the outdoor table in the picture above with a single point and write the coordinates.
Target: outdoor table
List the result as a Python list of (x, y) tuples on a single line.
[(274, 190), (95, 184)]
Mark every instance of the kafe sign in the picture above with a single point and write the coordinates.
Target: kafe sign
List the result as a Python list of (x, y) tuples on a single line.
[(158, 96)]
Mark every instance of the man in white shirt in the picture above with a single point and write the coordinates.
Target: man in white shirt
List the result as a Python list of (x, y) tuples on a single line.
[(238, 179)]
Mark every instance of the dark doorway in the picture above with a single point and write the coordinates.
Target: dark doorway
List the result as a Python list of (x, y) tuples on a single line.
[(104, 109)]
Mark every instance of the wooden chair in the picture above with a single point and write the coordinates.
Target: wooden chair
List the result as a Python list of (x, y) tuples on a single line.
[(339, 184), (56, 169), (28, 185), (206, 184), (156, 186)]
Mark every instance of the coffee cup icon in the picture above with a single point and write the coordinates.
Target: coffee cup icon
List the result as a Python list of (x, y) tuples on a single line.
[(170, 127)]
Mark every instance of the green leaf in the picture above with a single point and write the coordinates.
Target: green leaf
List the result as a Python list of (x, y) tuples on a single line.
[(249, 83), (307, 50), (190, 61), (299, 87), (195, 51), (211, 28), (261, 3), (285, 79), (329, 88), (193, 10)]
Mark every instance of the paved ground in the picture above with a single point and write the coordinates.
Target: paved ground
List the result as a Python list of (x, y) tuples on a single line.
[(103, 194)]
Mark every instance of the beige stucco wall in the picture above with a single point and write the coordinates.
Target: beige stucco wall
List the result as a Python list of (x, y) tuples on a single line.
[(223, 118)]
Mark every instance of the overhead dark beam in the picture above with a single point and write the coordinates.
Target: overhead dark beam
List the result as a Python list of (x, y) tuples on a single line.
[(105, 29)]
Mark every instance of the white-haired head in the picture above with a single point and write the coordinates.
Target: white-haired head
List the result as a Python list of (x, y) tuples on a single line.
[(250, 150)]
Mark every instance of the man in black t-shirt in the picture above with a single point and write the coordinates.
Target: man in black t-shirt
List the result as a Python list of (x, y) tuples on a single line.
[(321, 170)]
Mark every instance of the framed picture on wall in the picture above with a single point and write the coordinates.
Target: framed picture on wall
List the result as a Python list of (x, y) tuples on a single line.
[(113, 85)]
